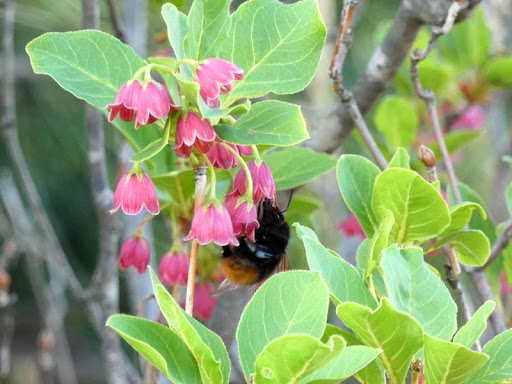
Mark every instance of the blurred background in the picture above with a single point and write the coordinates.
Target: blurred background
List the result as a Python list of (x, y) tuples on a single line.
[(51, 128)]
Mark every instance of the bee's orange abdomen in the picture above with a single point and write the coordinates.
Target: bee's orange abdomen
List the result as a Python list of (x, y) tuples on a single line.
[(240, 273)]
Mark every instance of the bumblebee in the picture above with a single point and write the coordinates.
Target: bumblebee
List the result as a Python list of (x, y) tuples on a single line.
[(252, 262)]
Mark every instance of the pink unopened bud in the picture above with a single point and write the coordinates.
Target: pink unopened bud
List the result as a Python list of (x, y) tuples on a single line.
[(134, 252), (212, 223), (143, 103), (173, 269), (204, 303), (505, 288), (133, 193)]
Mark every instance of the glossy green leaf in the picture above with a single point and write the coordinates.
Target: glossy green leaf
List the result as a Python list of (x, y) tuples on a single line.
[(208, 26), (396, 118), (499, 366), (356, 177), (287, 174), (349, 362), (293, 302), (206, 347), (155, 147), (159, 345), (419, 210), (344, 281), (472, 247), (460, 215), (290, 358), (357, 354), (268, 122), (396, 334), (414, 289), (449, 363), (277, 45), (400, 159), (499, 71), (475, 327), (176, 28)]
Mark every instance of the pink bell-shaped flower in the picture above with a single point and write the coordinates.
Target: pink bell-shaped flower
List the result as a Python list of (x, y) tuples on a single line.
[(173, 269), (351, 227), (216, 76), (243, 216), (133, 193), (244, 150), (143, 103), (193, 131), (221, 157), (263, 183), (134, 252), (212, 223)]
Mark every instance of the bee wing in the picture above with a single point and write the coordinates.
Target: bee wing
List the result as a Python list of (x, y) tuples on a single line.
[(284, 265), (225, 286)]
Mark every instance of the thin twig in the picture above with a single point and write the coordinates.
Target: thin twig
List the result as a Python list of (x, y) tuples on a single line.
[(200, 188), (116, 23), (478, 277), (341, 48), (500, 243)]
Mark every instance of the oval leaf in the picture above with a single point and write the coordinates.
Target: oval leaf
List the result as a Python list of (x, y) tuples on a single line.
[(473, 329), (277, 45), (287, 174), (396, 118), (419, 210), (292, 302), (472, 247), (290, 358), (269, 122), (356, 177)]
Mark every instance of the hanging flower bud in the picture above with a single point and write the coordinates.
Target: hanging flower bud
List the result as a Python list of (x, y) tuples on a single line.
[(173, 269), (212, 223), (143, 103), (134, 252), (133, 193), (204, 303), (221, 157), (216, 76)]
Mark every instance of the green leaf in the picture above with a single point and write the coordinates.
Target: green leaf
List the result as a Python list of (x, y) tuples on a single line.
[(414, 289), (499, 365), (92, 65), (449, 363), (473, 329), (472, 247), (436, 75), (155, 147), (290, 358), (207, 27), (344, 281), (396, 118), (460, 215), (206, 347), (350, 361), (499, 71), (293, 302), (398, 335), (277, 45), (268, 122), (400, 159), (288, 175), (179, 186), (356, 177), (378, 242), (419, 210), (176, 29), (159, 345), (455, 141)]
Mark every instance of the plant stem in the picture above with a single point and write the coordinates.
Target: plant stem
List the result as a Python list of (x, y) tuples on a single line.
[(200, 188)]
